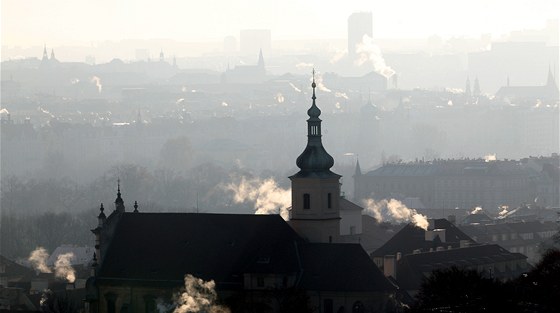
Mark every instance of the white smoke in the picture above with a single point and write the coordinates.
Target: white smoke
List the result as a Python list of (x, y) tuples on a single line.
[(38, 259), (476, 210), (97, 81), (490, 157), (63, 267), (267, 196), (320, 84), (394, 210), (279, 97), (303, 65), (198, 296), (295, 88), (367, 50), (341, 95), (338, 56), (164, 307)]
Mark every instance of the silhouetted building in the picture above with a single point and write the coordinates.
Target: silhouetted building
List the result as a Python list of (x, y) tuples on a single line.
[(413, 253), (522, 237), (547, 92), (447, 184), (246, 74), (142, 258)]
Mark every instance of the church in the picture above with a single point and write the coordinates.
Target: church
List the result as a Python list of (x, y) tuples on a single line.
[(258, 263)]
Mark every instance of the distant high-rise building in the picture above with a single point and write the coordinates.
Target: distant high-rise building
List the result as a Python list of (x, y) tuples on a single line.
[(359, 24), (252, 40)]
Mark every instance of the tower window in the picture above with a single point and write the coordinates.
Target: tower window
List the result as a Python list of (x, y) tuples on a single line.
[(306, 201), (329, 200)]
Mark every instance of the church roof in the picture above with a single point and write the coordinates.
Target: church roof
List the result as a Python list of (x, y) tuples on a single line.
[(160, 248), (347, 267), (163, 247)]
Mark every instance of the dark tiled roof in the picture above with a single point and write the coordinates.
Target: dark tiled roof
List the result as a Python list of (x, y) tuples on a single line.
[(411, 266), (163, 247), (347, 267), (349, 205), (450, 168), (411, 238)]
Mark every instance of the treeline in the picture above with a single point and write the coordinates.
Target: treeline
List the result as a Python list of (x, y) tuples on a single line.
[(19, 235), (462, 290), (51, 212)]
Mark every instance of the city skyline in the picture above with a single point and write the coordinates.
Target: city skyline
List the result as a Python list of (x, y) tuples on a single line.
[(29, 23)]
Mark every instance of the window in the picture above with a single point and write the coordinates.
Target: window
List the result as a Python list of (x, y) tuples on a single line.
[(328, 306), (329, 202), (260, 281), (150, 304), (306, 201)]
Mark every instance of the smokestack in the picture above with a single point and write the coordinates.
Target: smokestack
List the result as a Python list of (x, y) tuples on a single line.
[(390, 266), (452, 219)]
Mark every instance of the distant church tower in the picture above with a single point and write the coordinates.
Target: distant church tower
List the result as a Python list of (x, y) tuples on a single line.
[(45, 55), (315, 212)]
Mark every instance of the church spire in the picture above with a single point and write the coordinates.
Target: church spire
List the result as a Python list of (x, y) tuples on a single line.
[(119, 203), (45, 55), (314, 160), (358, 170)]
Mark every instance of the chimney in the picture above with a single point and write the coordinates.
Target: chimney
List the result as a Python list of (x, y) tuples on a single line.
[(390, 266), (430, 235), (452, 219), (431, 223)]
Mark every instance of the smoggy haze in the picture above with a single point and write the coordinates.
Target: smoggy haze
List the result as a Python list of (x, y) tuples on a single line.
[(32, 22)]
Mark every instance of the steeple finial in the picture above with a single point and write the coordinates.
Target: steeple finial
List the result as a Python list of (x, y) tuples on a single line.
[(119, 203), (313, 85), (45, 55), (314, 160), (314, 111), (101, 217)]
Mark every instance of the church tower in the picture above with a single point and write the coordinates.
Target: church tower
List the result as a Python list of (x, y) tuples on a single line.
[(315, 212)]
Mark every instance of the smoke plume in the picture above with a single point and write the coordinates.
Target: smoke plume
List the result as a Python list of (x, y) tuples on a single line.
[(295, 88), (38, 259), (198, 296), (367, 50), (267, 196), (63, 267), (476, 210), (394, 210), (97, 81), (319, 82)]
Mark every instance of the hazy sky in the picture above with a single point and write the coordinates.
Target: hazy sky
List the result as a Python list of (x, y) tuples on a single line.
[(34, 22)]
